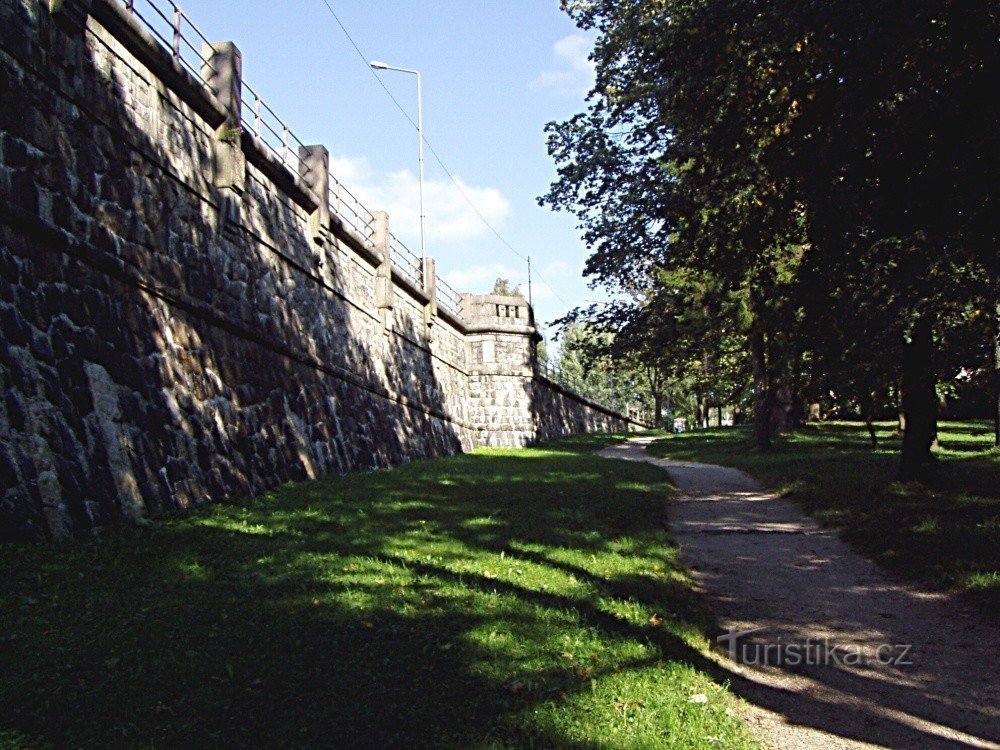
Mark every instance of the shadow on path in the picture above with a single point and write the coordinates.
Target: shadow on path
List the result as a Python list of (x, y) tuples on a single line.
[(765, 565)]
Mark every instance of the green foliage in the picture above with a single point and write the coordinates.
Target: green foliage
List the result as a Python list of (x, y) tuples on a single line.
[(586, 368), (504, 288), (945, 532), (829, 164), (498, 599), (669, 347), (230, 135)]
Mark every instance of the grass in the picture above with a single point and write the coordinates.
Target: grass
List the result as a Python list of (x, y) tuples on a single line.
[(526, 598), (945, 532)]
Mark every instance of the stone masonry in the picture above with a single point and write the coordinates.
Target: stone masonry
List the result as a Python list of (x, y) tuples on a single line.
[(183, 320)]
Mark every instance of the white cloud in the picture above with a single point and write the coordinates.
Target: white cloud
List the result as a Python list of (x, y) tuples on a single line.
[(572, 73), (448, 215)]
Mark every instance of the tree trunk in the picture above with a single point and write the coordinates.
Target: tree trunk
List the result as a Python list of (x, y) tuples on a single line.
[(782, 418), (996, 381), (919, 401), (871, 433), (705, 415), (797, 408), (761, 389), (658, 409), (719, 417), (869, 415), (899, 406)]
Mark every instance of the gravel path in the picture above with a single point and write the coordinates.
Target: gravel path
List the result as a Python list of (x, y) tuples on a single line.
[(764, 564)]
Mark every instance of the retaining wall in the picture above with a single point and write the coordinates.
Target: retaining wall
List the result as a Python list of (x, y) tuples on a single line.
[(183, 320)]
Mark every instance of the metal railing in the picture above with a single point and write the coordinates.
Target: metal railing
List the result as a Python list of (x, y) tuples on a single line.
[(448, 298), (352, 212), (551, 371), (556, 374), (408, 262), (271, 130), (173, 29), (169, 28)]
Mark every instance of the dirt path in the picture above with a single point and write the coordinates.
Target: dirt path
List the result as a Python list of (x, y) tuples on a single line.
[(764, 564)]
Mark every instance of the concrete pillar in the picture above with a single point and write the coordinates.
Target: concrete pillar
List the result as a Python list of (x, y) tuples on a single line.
[(314, 171), (430, 286), (224, 75), (70, 15), (384, 294)]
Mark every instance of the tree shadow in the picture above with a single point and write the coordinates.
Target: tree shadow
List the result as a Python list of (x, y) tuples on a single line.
[(939, 689), (337, 612), (157, 355), (384, 609), (167, 343)]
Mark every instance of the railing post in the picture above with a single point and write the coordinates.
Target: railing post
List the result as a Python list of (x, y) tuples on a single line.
[(224, 75), (383, 275), (430, 287), (178, 20), (314, 171)]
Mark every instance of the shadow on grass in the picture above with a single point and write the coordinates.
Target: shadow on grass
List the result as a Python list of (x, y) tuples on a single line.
[(496, 598), (945, 532), (504, 598)]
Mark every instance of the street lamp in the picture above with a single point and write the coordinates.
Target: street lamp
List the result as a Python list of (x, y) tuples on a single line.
[(379, 65)]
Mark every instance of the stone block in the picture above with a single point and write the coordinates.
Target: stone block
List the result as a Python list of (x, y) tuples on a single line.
[(229, 164), (16, 330), (314, 172)]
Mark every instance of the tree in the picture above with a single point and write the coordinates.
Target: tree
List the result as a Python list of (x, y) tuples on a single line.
[(587, 365), (504, 288), (802, 154), (664, 172), (599, 346), (670, 338), (996, 376), (900, 155)]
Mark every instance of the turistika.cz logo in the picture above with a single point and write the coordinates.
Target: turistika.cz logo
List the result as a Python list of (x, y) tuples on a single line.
[(813, 652)]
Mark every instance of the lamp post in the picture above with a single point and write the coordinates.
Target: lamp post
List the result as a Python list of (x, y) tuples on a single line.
[(378, 65)]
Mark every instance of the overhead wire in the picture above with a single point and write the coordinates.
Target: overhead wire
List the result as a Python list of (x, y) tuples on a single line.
[(454, 181)]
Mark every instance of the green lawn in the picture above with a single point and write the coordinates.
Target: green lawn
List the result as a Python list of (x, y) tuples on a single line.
[(945, 532), (525, 598)]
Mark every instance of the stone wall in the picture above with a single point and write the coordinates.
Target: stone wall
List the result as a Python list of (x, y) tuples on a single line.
[(183, 322), (511, 404)]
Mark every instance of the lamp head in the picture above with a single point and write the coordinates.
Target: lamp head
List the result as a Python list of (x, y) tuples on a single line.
[(379, 65)]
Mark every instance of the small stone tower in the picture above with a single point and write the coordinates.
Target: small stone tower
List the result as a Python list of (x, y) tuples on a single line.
[(502, 357)]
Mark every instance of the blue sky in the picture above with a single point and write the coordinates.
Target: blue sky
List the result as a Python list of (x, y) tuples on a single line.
[(493, 74)]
